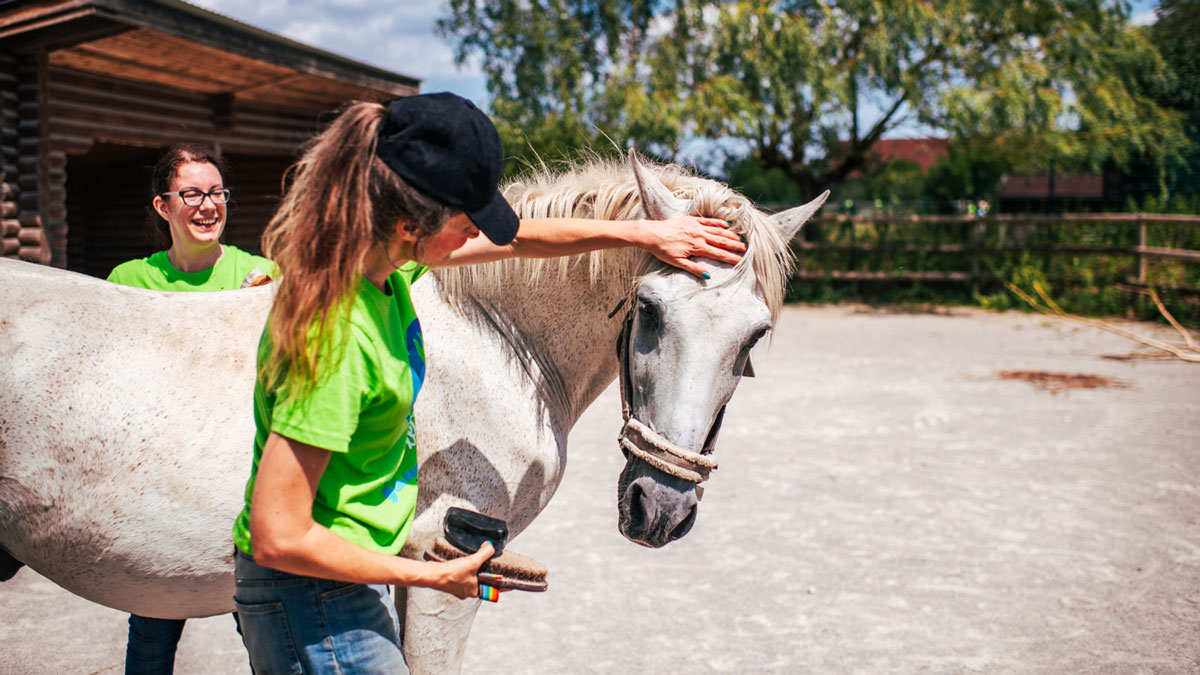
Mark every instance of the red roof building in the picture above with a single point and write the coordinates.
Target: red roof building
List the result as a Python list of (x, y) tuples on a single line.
[(924, 152)]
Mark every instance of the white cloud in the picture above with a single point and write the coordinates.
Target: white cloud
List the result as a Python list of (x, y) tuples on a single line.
[(395, 36), (1144, 18)]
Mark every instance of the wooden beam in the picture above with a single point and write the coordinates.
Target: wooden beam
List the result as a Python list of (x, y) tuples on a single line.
[(60, 32), (962, 248), (859, 275), (68, 25), (1176, 253), (1132, 218), (192, 23)]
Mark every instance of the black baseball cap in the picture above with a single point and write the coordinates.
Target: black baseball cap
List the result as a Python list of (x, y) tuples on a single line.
[(446, 148)]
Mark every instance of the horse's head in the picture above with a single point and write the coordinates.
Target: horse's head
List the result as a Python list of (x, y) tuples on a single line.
[(685, 346)]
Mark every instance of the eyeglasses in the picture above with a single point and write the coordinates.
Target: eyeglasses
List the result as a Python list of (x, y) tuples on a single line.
[(196, 197)]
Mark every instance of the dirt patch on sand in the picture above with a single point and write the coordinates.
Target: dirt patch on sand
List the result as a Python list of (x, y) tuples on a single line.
[(1056, 382)]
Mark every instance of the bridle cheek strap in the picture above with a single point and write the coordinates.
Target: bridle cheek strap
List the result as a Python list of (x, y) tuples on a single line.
[(638, 439)]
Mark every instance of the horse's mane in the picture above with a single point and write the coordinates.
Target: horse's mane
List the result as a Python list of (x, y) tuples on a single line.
[(606, 189)]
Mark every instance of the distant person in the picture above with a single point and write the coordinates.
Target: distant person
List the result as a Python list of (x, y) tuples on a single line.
[(188, 207)]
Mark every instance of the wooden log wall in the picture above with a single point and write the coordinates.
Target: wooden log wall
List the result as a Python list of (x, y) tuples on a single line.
[(10, 226), (257, 189), (85, 108), (108, 214), (40, 201)]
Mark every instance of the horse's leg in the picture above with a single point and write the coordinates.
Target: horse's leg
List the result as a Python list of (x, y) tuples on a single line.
[(436, 627), (8, 565)]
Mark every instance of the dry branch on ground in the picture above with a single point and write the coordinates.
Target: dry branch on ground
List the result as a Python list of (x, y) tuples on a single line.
[(1184, 352)]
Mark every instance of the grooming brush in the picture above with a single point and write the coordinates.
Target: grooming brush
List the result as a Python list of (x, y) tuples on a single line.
[(465, 532)]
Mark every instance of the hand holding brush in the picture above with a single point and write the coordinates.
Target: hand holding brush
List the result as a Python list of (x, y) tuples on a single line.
[(466, 532)]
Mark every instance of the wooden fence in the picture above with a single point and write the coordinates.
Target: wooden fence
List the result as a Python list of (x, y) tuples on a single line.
[(970, 250)]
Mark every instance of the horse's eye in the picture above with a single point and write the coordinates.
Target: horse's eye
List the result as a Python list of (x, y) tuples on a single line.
[(649, 314), (743, 358)]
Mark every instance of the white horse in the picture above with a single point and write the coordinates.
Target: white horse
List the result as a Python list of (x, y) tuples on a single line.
[(126, 426)]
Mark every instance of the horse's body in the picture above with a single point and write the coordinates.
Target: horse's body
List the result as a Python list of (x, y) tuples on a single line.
[(126, 426)]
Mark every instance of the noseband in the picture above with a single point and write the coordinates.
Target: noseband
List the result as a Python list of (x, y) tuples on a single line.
[(639, 439)]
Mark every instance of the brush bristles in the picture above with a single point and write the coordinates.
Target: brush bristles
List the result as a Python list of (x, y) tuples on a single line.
[(507, 564)]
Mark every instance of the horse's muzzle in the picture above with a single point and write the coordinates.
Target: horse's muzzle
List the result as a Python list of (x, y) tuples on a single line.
[(655, 508)]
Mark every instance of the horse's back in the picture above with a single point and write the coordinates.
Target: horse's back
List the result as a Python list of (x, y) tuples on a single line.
[(126, 431)]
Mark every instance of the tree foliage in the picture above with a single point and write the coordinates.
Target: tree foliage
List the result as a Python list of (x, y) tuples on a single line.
[(970, 171), (808, 86), (1176, 35)]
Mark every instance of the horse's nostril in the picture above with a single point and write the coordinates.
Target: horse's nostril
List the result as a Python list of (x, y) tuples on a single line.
[(685, 526), (637, 507)]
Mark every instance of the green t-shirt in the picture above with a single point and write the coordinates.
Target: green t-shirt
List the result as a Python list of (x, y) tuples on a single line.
[(361, 411), (157, 273)]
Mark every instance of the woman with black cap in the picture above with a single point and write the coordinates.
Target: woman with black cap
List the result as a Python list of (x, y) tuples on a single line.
[(382, 195)]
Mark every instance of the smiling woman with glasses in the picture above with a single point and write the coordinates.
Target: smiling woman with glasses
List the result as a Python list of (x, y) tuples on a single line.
[(187, 212)]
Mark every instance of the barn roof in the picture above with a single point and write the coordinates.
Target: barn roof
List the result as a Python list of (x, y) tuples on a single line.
[(173, 43)]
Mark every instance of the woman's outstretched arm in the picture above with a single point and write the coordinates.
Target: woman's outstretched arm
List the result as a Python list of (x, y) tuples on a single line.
[(672, 241)]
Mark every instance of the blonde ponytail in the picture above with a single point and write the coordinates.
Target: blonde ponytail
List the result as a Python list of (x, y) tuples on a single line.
[(342, 200)]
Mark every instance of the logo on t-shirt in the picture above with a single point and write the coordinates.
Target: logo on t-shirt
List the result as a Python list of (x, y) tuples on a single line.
[(416, 354), (392, 492), (409, 477)]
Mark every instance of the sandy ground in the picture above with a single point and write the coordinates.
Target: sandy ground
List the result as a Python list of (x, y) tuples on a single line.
[(884, 504)]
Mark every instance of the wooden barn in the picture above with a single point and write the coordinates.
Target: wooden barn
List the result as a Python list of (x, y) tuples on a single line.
[(92, 91)]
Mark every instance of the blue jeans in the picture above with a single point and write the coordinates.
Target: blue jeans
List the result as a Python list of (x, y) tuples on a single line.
[(298, 624), (151, 646)]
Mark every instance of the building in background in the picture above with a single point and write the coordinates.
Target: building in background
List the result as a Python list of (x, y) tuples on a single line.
[(92, 91), (1056, 193), (923, 152)]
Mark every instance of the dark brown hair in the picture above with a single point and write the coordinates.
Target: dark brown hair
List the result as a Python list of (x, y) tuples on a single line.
[(165, 173), (340, 200)]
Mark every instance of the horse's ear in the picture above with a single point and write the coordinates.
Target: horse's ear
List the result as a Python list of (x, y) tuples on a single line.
[(657, 200), (789, 222)]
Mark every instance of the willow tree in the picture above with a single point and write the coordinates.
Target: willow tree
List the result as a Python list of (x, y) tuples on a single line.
[(808, 87)]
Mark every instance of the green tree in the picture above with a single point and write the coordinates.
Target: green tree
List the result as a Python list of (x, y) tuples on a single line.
[(809, 86), (764, 186), (969, 171), (1176, 35), (895, 180)]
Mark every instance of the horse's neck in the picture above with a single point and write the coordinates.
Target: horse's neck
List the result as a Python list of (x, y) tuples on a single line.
[(561, 333)]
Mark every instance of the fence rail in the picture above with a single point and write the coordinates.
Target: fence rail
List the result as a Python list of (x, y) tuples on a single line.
[(846, 247)]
